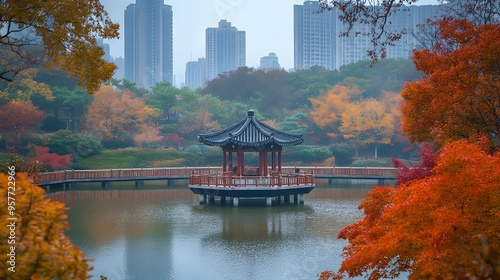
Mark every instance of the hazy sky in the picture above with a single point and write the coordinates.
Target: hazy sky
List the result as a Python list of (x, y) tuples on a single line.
[(268, 25)]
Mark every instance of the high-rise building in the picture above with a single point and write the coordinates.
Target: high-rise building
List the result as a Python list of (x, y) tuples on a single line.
[(318, 40), (269, 62), (315, 37), (106, 49), (224, 49), (148, 43), (196, 73)]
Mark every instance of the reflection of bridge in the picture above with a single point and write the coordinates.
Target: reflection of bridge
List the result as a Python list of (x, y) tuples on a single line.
[(289, 176)]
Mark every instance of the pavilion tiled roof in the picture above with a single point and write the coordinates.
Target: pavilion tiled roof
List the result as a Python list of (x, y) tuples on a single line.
[(250, 132)]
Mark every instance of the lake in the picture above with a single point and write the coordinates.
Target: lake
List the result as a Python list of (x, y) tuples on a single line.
[(161, 232)]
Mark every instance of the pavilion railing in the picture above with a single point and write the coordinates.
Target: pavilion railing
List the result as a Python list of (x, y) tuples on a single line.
[(273, 180)]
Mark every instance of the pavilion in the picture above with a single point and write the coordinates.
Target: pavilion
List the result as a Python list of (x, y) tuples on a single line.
[(239, 181)]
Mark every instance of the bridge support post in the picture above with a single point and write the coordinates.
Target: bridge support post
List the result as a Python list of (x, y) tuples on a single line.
[(236, 201), (211, 199), (381, 181), (223, 200), (287, 199), (105, 185), (70, 186), (203, 198), (169, 183), (139, 184), (269, 201), (301, 198), (295, 199)]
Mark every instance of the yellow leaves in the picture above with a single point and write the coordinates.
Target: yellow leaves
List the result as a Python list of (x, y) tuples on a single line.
[(68, 32), (327, 108), (364, 121), (42, 249)]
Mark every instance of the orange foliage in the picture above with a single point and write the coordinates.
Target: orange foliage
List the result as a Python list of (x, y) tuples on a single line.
[(200, 120), (343, 112), (42, 250), (459, 96), (327, 109), (432, 228), (149, 136), (112, 115)]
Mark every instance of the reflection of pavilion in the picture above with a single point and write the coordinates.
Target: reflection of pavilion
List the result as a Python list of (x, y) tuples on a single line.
[(265, 181)]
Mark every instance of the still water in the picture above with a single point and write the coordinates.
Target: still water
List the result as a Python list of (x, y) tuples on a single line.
[(163, 233)]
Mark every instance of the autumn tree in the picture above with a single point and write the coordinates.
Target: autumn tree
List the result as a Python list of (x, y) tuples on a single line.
[(113, 115), (52, 161), (66, 32), (148, 137), (42, 249), (18, 119), (346, 114), (199, 121), (429, 227), (327, 109), (459, 96)]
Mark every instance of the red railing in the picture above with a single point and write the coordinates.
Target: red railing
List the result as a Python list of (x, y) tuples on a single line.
[(212, 175), (229, 180)]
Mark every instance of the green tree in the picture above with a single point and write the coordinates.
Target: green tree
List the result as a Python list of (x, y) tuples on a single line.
[(65, 142), (164, 97)]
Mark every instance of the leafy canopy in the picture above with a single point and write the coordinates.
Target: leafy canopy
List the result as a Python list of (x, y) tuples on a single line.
[(64, 32), (43, 251), (429, 227)]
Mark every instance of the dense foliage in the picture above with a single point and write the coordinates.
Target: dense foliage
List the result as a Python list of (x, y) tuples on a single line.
[(42, 250), (64, 32), (441, 221)]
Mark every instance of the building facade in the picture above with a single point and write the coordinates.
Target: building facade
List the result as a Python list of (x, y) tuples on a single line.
[(318, 40), (196, 73), (148, 43), (269, 62), (225, 49)]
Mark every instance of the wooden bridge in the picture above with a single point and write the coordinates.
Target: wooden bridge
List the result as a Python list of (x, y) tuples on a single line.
[(289, 175)]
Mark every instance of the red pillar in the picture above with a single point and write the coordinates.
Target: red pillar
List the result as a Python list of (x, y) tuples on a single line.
[(273, 161), (224, 160), (279, 161), (240, 161)]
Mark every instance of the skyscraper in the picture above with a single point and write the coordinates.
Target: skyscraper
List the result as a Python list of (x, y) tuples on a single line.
[(148, 43), (318, 40), (196, 73), (224, 49), (269, 62), (315, 37)]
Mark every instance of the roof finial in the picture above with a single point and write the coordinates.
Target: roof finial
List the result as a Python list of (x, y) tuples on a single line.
[(250, 113)]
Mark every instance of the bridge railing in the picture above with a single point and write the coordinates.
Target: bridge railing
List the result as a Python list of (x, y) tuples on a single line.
[(124, 173)]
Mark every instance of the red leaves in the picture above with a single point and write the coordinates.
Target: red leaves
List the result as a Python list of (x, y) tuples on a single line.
[(458, 98), (429, 227), (52, 160), (419, 170), (19, 116)]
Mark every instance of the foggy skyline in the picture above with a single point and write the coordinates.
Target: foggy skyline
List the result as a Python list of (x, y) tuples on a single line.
[(268, 26)]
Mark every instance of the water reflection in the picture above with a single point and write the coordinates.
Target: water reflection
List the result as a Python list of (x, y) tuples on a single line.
[(165, 234)]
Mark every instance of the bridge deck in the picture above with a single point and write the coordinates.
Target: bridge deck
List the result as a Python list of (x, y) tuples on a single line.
[(142, 174)]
